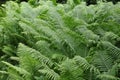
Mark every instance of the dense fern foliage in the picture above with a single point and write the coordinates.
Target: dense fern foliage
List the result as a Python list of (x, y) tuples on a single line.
[(45, 40)]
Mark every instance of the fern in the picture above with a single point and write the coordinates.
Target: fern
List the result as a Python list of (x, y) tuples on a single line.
[(88, 34), (22, 50), (111, 49), (102, 61), (50, 74), (111, 37), (45, 40), (30, 64), (70, 71), (106, 77), (82, 62), (20, 70)]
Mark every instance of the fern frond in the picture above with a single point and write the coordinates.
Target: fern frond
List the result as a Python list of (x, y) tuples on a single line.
[(112, 50), (28, 29), (47, 31), (50, 74), (12, 9), (24, 9), (14, 58), (102, 61), (114, 70), (107, 77), (23, 50), (8, 50), (83, 12), (44, 47), (70, 71), (3, 72), (20, 70), (82, 62), (72, 43), (30, 64), (58, 58), (111, 37), (88, 34)]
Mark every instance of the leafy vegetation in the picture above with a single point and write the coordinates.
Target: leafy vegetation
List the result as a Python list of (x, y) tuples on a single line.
[(51, 41)]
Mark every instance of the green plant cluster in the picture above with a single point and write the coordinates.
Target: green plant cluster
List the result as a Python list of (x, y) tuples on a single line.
[(50, 41)]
